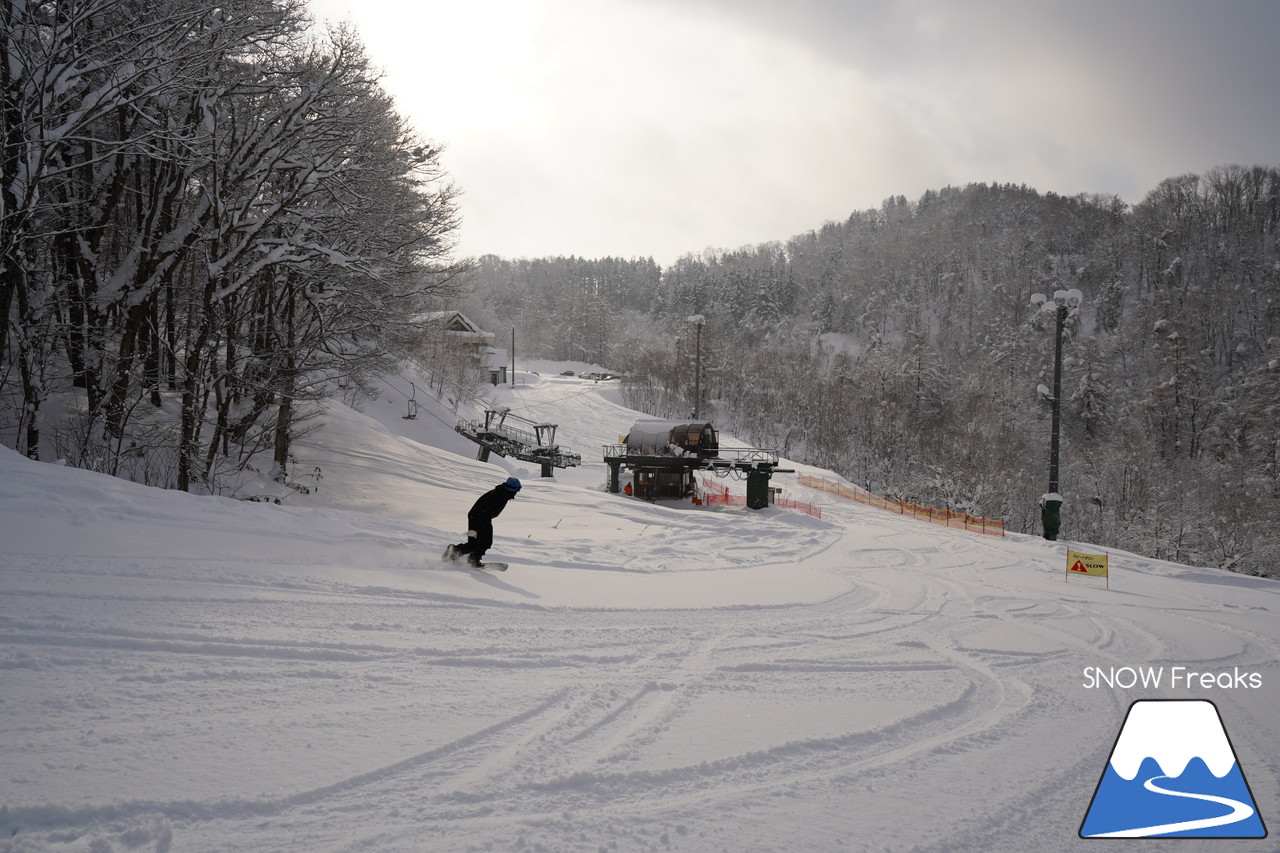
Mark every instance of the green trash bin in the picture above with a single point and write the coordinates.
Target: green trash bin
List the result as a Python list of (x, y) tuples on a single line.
[(758, 489), (1051, 516)]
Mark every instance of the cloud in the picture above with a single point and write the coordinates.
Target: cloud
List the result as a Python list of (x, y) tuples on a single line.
[(638, 127), (665, 132)]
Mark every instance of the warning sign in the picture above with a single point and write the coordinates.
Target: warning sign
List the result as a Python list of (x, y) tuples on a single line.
[(1087, 564), (1094, 565)]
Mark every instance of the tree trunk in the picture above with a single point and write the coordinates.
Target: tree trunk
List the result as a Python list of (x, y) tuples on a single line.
[(288, 388), (32, 395), (114, 405)]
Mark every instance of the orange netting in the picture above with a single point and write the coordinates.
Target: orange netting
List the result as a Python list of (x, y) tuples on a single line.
[(944, 517), (714, 494)]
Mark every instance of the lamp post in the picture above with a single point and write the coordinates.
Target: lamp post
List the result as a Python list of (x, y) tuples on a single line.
[(697, 320), (1064, 302)]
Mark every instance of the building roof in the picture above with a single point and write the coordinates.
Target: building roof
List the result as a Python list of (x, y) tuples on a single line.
[(455, 324), (451, 321)]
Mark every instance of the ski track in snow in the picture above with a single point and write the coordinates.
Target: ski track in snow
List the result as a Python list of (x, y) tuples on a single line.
[(913, 688)]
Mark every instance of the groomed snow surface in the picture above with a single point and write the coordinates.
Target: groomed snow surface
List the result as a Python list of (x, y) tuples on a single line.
[(196, 674)]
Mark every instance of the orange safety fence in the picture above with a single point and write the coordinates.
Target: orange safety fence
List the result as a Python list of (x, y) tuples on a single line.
[(714, 494), (943, 517)]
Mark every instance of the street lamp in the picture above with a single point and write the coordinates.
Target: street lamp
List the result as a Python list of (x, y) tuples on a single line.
[(1064, 303)]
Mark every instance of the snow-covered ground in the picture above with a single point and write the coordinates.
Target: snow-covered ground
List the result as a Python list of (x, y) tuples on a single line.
[(182, 673)]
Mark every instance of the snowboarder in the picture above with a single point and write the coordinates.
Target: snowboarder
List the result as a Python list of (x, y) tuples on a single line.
[(480, 522)]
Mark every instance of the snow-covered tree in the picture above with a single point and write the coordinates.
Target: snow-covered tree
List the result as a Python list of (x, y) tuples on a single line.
[(203, 198)]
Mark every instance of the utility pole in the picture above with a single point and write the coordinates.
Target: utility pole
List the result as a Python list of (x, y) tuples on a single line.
[(697, 320), (1064, 302)]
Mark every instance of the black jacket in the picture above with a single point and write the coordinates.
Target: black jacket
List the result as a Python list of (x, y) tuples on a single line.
[(491, 504)]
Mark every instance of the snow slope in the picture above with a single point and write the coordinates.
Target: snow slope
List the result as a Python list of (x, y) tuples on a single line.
[(182, 673)]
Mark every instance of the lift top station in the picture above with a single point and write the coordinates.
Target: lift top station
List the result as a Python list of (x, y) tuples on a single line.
[(508, 434), (664, 454)]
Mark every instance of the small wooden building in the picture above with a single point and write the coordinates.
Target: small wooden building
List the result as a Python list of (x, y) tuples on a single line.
[(451, 334)]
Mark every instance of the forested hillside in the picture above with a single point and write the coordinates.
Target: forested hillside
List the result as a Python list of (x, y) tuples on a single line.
[(209, 213), (902, 348)]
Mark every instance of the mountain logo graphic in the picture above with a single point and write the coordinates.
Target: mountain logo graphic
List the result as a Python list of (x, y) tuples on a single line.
[(1172, 774)]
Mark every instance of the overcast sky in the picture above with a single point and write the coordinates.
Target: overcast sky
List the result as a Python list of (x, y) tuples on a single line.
[(660, 127)]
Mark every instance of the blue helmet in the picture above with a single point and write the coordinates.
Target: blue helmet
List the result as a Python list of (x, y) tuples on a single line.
[(513, 484)]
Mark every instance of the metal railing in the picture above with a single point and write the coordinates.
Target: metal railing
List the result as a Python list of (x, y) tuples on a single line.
[(741, 458)]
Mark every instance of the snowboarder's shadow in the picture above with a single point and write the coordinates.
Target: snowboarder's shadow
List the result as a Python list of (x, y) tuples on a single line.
[(496, 582)]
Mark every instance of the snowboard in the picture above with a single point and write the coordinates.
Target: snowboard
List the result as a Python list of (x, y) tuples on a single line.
[(449, 557)]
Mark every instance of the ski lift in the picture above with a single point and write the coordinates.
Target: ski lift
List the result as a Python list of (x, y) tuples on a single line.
[(412, 414)]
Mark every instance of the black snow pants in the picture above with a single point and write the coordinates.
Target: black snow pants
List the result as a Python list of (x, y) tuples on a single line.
[(476, 546)]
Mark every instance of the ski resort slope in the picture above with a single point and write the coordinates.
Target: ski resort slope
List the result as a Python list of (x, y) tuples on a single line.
[(197, 674)]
